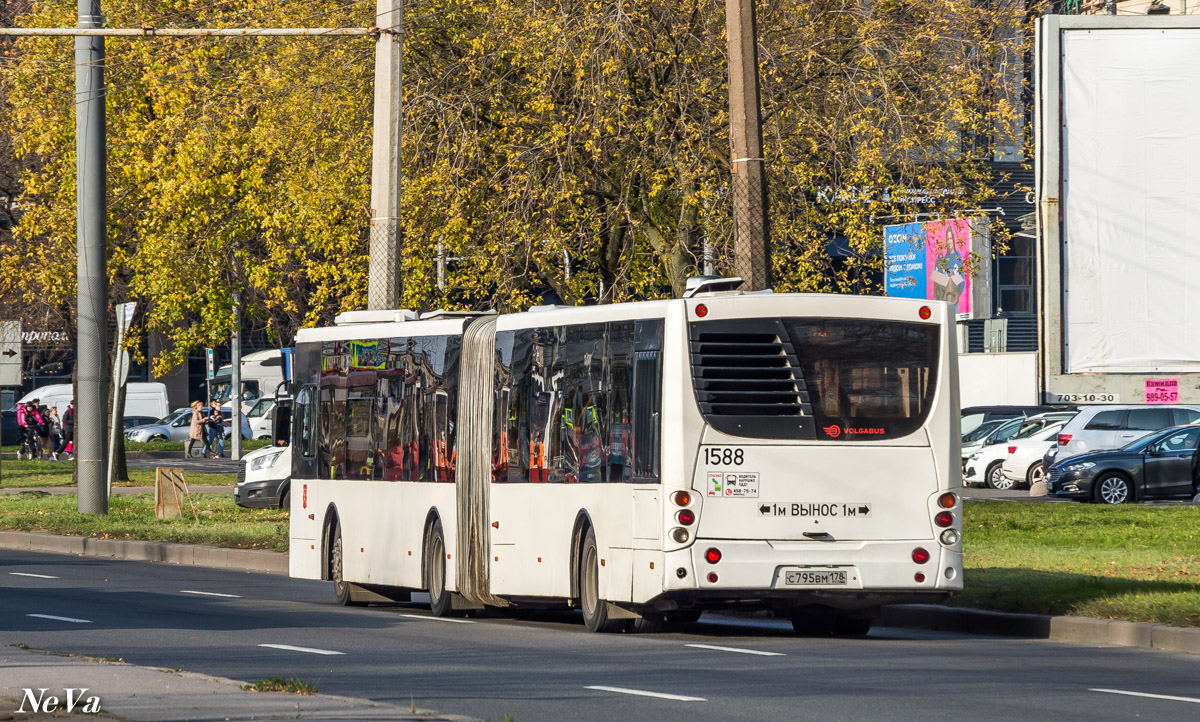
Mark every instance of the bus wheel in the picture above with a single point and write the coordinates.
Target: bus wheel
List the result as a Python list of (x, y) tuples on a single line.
[(595, 609), (341, 589), (435, 571)]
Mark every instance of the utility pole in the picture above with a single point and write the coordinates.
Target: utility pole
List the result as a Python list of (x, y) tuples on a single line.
[(384, 282), (751, 246), (91, 351), (235, 378)]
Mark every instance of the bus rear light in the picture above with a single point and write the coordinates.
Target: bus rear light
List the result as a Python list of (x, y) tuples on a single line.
[(712, 577), (950, 537), (680, 535), (920, 555), (943, 519), (712, 556), (701, 310), (687, 517), (919, 577), (1064, 439), (925, 313), (681, 498), (948, 500)]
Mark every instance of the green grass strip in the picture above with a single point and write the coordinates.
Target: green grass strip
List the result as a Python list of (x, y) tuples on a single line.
[(1136, 563), (214, 520)]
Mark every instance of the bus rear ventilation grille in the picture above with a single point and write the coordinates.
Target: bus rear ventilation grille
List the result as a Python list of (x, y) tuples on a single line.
[(747, 374)]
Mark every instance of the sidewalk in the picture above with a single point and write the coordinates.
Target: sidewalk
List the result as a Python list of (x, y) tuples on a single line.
[(129, 692)]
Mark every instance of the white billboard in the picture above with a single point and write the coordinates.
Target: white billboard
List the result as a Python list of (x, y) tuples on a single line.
[(1131, 200)]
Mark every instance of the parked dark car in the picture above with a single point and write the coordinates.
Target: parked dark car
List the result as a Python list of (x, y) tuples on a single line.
[(10, 433), (1163, 465)]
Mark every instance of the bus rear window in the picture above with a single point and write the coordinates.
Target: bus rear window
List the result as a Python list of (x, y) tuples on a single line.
[(843, 379)]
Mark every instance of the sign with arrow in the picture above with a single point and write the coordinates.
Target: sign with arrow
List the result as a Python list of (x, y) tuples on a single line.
[(10, 353), (816, 510)]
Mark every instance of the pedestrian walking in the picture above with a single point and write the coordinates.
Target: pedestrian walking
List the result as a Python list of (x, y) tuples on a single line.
[(54, 423), (196, 432), (68, 425), (216, 431), (44, 428)]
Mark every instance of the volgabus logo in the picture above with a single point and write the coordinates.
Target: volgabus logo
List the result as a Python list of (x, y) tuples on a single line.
[(44, 704)]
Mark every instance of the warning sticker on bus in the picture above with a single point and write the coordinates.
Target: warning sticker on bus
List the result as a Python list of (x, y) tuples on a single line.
[(743, 484)]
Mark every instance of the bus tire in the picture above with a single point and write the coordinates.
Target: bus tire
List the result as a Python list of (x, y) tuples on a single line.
[(845, 625), (435, 571), (595, 609), (341, 588)]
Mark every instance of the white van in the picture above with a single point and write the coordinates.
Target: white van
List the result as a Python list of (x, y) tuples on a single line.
[(262, 371), (141, 399)]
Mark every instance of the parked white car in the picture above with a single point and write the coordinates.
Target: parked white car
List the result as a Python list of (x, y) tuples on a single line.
[(1023, 463), (984, 467), (1018, 428)]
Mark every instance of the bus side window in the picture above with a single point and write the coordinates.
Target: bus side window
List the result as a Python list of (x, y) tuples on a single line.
[(647, 394), (306, 430), (619, 375), (647, 398)]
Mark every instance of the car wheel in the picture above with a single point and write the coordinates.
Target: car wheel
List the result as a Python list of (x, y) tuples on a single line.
[(996, 478), (285, 501), (158, 437), (1035, 475), (1113, 489)]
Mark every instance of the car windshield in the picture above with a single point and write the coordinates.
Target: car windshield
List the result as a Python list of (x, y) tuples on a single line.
[(982, 430), (261, 408), (172, 416), (1006, 431)]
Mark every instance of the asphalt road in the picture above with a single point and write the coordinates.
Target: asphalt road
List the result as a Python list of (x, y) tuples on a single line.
[(547, 667)]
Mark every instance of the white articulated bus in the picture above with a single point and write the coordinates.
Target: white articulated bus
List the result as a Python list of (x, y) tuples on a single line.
[(640, 461)]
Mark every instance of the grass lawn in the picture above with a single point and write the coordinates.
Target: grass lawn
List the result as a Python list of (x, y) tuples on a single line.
[(1138, 563), (214, 520), (40, 474)]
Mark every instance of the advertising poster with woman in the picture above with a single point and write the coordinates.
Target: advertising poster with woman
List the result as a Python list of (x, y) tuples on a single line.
[(947, 250)]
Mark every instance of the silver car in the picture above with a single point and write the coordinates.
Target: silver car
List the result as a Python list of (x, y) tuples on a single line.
[(176, 425), (1098, 428)]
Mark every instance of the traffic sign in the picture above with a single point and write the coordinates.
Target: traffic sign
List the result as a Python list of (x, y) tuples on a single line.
[(10, 353)]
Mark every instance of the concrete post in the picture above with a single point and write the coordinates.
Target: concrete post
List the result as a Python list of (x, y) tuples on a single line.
[(751, 245), (91, 352), (384, 282), (235, 380)]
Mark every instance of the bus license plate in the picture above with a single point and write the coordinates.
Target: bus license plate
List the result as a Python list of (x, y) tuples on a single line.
[(816, 578)]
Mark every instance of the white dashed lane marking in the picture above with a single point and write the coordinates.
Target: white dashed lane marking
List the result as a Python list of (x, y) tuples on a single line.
[(309, 650), (60, 619), (1127, 693), (737, 649), (210, 594), (645, 693)]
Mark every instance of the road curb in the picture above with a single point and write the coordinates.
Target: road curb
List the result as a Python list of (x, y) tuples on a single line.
[(195, 555), (1075, 630)]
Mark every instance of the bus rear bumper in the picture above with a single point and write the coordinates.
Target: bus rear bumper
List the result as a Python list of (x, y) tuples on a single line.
[(845, 574)]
